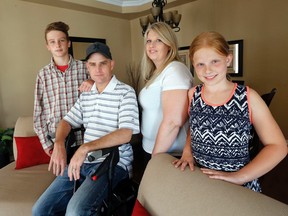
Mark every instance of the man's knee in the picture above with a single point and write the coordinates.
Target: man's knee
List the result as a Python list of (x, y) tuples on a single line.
[(37, 210), (74, 209)]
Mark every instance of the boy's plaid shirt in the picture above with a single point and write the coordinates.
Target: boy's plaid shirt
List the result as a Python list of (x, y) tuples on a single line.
[(55, 93)]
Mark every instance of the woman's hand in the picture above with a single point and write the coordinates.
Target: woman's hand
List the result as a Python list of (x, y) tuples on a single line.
[(232, 177)]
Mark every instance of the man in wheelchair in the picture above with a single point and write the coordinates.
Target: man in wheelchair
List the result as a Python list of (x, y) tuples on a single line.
[(109, 113)]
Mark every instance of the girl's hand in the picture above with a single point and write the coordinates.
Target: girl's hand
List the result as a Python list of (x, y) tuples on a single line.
[(231, 177), (186, 159)]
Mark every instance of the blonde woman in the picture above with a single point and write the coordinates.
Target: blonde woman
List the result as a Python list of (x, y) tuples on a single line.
[(163, 99)]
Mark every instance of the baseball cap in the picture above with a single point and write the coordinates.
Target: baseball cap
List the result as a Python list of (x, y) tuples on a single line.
[(98, 47)]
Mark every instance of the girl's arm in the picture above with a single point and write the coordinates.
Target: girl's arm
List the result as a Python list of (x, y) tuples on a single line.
[(187, 156), (275, 147)]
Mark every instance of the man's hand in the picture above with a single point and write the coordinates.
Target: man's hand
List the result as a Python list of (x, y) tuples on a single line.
[(58, 160), (86, 86), (76, 163)]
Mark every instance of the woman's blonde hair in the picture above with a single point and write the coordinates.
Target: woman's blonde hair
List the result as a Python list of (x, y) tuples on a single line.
[(209, 39), (168, 37)]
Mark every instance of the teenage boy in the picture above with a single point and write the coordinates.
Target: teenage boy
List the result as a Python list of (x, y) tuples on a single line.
[(109, 113), (58, 85)]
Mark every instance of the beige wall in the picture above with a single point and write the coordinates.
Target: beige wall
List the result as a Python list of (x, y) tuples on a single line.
[(23, 51), (262, 24)]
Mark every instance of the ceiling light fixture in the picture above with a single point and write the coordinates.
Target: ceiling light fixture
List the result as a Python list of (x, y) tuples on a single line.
[(172, 18)]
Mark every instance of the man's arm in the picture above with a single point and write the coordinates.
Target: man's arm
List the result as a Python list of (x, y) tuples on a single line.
[(114, 138), (58, 159)]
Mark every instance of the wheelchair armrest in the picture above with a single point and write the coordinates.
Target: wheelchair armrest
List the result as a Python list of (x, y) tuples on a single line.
[(108, 164)]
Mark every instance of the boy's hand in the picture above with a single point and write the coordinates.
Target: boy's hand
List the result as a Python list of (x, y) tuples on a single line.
[(86, 86), (49, 151)]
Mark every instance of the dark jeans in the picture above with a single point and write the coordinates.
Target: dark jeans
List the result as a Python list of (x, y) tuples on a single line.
[(59, 197)]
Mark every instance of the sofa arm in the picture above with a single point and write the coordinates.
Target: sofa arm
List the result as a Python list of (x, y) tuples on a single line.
[(165, 190)]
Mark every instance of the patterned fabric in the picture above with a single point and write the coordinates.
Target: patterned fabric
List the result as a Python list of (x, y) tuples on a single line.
[(102, 113), (55, 93), (220, 134)]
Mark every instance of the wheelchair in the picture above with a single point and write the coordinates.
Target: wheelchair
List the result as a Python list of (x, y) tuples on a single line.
[(121, 199)]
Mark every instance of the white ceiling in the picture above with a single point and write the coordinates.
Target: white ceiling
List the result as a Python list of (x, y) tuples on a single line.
[(125, 3), (124, 9)]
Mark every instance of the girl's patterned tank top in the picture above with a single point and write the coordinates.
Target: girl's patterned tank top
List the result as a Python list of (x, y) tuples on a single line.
[(220, 134)]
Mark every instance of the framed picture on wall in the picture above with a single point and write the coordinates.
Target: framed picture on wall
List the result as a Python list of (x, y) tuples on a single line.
[(236, 67), (80, 44), (184, 56)]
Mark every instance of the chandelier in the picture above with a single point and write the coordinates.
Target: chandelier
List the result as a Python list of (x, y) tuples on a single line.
[(172, 18)]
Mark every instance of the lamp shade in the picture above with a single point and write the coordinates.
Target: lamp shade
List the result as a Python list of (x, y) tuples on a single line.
[(155, 11), (172, 18), (167, 16), (144, 21), (151, 18), (176, 19)]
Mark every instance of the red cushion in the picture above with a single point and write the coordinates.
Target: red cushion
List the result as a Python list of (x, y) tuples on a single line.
[(139, 210), (30, 152)]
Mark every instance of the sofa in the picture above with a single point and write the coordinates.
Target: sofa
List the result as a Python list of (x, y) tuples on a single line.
[(165, 190), (20, 188)]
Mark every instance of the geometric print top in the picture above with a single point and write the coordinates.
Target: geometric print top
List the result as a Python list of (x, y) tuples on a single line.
[(220, 134)]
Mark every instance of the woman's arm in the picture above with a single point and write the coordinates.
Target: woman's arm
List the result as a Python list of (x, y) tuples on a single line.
[(174, 107)]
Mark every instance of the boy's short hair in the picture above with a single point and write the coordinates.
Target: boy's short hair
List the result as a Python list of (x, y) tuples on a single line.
[(58, 26)]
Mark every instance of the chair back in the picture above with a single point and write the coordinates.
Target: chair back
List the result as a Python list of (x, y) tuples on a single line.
[(269, 96)]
